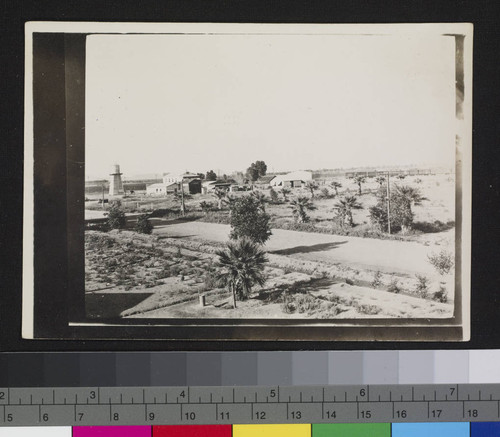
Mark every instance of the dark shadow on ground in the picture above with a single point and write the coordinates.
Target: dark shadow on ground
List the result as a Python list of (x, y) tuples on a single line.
[(306, 249), (161, 237), (111, 305)]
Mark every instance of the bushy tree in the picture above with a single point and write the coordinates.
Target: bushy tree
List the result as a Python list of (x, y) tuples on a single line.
[(241, 266), (300, 206), (211, 176), (249, 220), (116, 216), (143, 225), (274, 195), (256, 170), (285, 192), (402, 200)]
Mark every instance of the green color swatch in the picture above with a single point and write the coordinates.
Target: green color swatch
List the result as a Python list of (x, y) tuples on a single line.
[(352, 430)]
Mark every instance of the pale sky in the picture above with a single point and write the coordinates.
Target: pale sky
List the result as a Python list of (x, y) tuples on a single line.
[(170, 103)]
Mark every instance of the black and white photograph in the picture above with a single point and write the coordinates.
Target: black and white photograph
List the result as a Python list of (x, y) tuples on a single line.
[(280, 181)]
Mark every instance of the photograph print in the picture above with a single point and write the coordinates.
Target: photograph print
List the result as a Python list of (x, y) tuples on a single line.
[(272, 182)]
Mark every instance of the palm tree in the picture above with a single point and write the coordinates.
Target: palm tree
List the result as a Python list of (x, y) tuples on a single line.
[(261, 199), (359, 180), (285, 191), (404, 198), (380, 180), (241, 266), (299, 207), (312, 186), (219, 194), (344, 209), (336, 185)]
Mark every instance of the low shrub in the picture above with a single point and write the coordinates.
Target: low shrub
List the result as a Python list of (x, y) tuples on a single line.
[(377, 279), (441, 295), (143, 225), (422, 288), (394, 286), (442, 261)]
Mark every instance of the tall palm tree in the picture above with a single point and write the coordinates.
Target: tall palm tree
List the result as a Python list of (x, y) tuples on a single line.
[(359, 180), (336, 185), (312, 187), (344, 209), (300, 206), (241, 266)]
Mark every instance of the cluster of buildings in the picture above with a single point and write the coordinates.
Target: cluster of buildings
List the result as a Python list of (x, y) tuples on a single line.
[(193, 184)]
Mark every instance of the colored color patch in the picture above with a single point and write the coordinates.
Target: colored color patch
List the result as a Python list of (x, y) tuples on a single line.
[(299, 430), (192, 431), (112, 431), (352, 430), (36, 431), (430, 429), (485, 429)]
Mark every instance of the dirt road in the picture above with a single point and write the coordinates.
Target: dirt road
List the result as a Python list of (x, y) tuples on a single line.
[(388, 256)]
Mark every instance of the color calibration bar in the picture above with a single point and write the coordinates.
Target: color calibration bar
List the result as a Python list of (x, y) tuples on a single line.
[(482, 429)]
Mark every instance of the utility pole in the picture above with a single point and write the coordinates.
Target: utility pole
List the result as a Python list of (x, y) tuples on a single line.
[(183, 206), (388, 204), (102, 186)]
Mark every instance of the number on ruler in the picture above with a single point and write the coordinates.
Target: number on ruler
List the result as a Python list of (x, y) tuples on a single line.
[(224, 415), (365, 414), (296, 415), (362, 392), (272, 393), (436, 413), (331, 414), (116, 416), (80, 417), (45, 417), (260, 415), (2, 395), (401, 414), (183, 394), (452, 390), (472, 413), (190, 416), (151, 416), (92, 394), (10, 417)]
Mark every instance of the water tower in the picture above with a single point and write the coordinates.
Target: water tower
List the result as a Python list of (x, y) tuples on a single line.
[(115, 181)]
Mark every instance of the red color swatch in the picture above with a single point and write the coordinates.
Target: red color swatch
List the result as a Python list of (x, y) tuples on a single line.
[(112, 431), (192, 431)]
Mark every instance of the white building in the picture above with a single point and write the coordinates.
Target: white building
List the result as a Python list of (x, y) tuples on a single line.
[(294, 179)]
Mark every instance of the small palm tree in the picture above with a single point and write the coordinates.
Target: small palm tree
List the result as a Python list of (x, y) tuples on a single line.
[(380, 180), (344, 209), (241, 266), (285, 191), (359, 180), (219, 194), (299, 207), (312, 187), (336, 185), (261, 199)]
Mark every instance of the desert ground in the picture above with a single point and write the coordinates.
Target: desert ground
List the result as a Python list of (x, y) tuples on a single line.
[(315, 270)]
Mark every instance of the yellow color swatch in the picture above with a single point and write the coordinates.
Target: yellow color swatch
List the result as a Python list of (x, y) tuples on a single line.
[(298, 430)]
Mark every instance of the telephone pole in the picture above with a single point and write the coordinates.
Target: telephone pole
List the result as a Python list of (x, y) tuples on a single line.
[(388, 204)]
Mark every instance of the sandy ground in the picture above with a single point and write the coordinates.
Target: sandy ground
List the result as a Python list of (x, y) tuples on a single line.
[(388, 256), (382, 304)]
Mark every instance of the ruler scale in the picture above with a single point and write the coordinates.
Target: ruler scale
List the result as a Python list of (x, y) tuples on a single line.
[(249, 405)]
